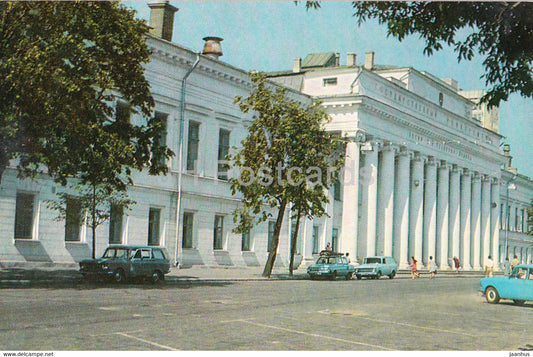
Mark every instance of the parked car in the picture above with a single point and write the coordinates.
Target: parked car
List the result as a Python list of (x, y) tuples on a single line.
[(376, 267), (517, 287), (330, 265), (121, 262)]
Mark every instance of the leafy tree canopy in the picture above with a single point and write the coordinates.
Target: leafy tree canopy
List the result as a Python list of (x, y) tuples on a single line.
[(62, 67), (501, 32)]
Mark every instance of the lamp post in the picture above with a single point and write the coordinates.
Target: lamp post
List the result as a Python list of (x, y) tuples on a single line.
[(507, 213)]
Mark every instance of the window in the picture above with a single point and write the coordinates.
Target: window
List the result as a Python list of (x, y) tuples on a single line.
[(223, 151), (335, 239), (337, 190), (315, 239), (115, 224), (186, 241), (218, 238), (271, 228), (330, 81), (441, 99), (192, 145), (245, 243), (73, 220), (158, 254), (24, 216), (162, 140), (154, 219), (122, 112)]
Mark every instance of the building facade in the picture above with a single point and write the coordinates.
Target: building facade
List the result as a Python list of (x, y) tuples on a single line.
[(423, 174)]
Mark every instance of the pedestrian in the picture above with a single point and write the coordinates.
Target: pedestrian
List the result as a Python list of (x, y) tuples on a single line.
[(414, 271), (514, 262), (348, 257), (456, 264), (489, 265), (328, 247), (507, 267), (432, 268)]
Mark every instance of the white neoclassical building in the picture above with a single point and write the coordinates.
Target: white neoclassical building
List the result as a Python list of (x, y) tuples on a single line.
[(425, 174), (423, 171)]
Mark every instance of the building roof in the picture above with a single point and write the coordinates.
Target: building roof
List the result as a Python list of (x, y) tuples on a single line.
[(319, 60)]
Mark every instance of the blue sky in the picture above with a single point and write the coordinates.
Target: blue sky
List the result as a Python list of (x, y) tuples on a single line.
[(269, 35)]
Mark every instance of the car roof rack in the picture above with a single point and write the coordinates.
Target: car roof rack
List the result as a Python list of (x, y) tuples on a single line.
[(329, 253)]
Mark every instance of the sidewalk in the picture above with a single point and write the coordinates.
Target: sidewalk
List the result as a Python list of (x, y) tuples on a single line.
[(28, 273)]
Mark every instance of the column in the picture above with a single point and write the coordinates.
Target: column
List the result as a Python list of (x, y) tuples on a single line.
[(476, 222), (401, 209), (466, 219), (443, 191), (495, 222), (416, 211), (369, 185), (485, 218), (386, 200), (430, 210), (350, 200), (455, 213)]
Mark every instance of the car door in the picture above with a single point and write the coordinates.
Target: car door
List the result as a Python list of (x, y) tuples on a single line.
[(141, 262), (517, 286)]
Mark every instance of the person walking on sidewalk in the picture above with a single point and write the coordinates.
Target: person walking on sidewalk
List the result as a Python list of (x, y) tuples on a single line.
[(414, 270), (507, 267), (432, 268), (489, 266), (514, 262)]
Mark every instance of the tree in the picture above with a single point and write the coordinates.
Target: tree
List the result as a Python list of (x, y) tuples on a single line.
[(287, 158), (63, 68), (501, 32), (92, 204)]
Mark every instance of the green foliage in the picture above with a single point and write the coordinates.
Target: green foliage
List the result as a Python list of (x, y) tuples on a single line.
[(94, 203), (63, 65), (287, 158), (501, 32)]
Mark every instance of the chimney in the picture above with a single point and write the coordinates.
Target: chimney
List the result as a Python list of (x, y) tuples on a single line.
[(369, 63), (337, 59), (212, 47), (352, 58), (162, 19), (297, 65)]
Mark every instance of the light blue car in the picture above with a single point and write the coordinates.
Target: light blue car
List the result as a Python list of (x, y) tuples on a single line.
[(517, 287)]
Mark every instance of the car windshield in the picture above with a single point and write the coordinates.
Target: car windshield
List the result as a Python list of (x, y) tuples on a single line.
[(326, 260), (116, 253), (372, 260)]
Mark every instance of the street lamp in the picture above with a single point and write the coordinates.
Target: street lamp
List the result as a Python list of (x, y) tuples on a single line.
[(507, 214)]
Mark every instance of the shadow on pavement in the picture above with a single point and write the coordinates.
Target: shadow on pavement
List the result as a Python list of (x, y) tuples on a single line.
[(16, 278)]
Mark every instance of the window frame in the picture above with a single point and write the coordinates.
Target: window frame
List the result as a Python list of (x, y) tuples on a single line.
[(154, 227), (187, 235), (218, 232), (27, 229), (193, 146)]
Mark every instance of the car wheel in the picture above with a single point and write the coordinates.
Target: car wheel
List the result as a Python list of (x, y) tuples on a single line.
[(359, 277), (519, 302), (378, 275), (492, 295), (392, 275), (119, 276), (157, 277), (349, 276)]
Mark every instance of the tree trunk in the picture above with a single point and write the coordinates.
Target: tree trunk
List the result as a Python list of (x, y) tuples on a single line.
[(294, 240), (93, 223), (273, 249)]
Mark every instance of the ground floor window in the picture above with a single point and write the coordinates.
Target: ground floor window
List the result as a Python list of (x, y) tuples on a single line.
[(186, 240), (271, 228), (154, 221), (335, 239), (24, 212), (115, 224), (315, 240), (246, 241), (218, 238), (73, 220)]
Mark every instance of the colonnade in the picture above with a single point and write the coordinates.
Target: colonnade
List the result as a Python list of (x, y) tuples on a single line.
[(402, 203)]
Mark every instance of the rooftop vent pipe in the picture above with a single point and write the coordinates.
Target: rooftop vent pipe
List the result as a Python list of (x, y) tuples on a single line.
[(212, 47)]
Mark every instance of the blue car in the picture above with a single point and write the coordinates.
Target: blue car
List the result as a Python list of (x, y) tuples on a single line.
[(331, 265), (517, 287)]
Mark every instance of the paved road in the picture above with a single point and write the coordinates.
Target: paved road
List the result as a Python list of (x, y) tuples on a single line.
[(399, 314)]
